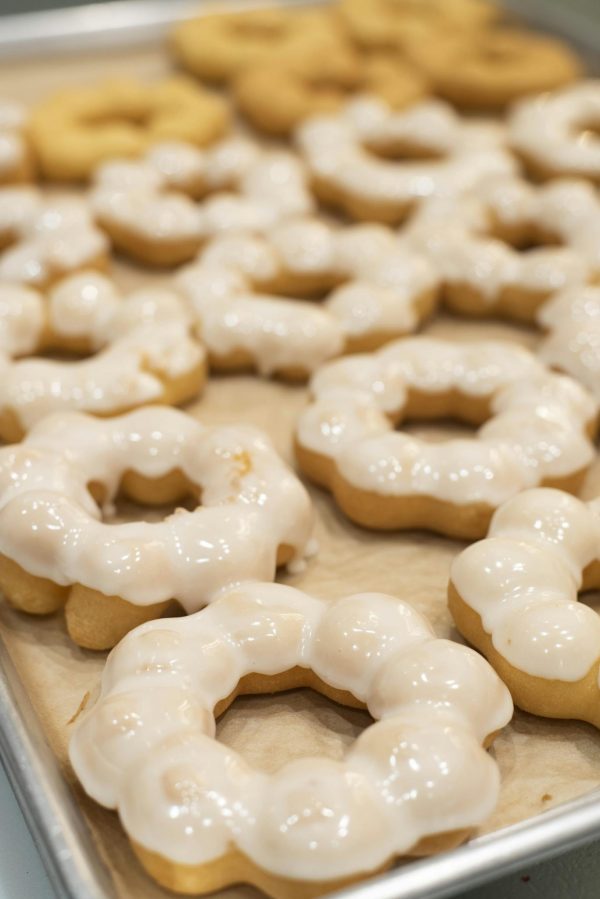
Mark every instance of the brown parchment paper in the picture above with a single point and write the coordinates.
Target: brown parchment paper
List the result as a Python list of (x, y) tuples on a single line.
[(542, 762)]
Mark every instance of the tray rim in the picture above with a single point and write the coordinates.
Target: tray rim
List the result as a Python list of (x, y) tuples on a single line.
[(49, 806)]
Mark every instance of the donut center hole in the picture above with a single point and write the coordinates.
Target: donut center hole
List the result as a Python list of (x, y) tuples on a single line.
[(437, 418), (269, 731), (524, 236), (587, 131), (256, 29), (440, 430), (402, 151), (145, 499), (137, 119)]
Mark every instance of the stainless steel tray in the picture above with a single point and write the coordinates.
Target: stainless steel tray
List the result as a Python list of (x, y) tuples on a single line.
[(49, 807)]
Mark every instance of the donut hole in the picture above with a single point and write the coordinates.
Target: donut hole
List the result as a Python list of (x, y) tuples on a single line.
[(440, 430), (301, 723), (402, 151), (587, 131), (139, 498), (259, 28), (137, 119), (440, 417)]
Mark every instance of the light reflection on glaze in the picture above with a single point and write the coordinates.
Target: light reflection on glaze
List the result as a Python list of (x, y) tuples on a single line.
[(335, 149), (143, 341), (523, 581), (550, 129), (251, 504), (572, 320), (383, 280), (537, 429), (419, 770)]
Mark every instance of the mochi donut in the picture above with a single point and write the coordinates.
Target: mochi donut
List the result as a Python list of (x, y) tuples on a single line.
[(378, 165), (140, 350), (513, 595), (42, 239), (494, 67), (393, 24), (381, 290), (56, 550), (572, 342), (474, 242), (536, 431), (148, 208), (16, 159), (79, 127), (199, 817), (556, 134)]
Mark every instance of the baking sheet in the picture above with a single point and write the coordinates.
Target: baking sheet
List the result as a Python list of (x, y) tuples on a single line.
[(543, 763)]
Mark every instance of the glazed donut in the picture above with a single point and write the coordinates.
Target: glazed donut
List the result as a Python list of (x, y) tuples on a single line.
[(350, 156), (494, 68), (382, 290), (219, 46), (537, 432), (78, 128), (16, 159), (473, 241), (55, 549), (556, 134), (148, 215), (144, 351), (44, 239), (416, 781), (390, 23), (514, 596), (572, 343), (276, 98)]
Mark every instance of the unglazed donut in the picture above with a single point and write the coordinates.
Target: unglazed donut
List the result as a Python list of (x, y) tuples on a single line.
[(78, 128), (572, 342), (514, 596), (218, 47), (146, 211), (474, 239), (143, 346), (416, 781), (350, 156), (494, 67), (252, 515), (390, 23), (381, 290), (16, 159), (277, 98), (537, 432), (556, 134), (43, 239)]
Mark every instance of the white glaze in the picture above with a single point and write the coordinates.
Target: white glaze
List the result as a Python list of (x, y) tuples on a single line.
[(148, 198), (551, 129), (417, 771), (572, 343), (142, 341), (48, 236), (537, 429), (49, 524), (384, 280), (335, 148), (523, 581)]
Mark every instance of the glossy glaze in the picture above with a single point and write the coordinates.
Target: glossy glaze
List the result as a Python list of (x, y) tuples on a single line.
[(418, 770), (572, 344)]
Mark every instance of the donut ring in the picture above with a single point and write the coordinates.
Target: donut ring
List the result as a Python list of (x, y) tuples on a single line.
[(436, 704), (16, 158), (275, 98), (56, 551), (378, 290), (474, 240), (148, 215), (218, 47), (514, 596), (556, 135), (353, 160), (390, 23), (345, 440), (44, 239), (495, 68), (78, 128), (144, 352)]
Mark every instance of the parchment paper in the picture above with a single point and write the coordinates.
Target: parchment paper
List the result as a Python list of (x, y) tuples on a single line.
[(542, 762)]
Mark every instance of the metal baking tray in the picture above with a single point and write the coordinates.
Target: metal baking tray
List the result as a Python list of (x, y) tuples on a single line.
[(50, 808)]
